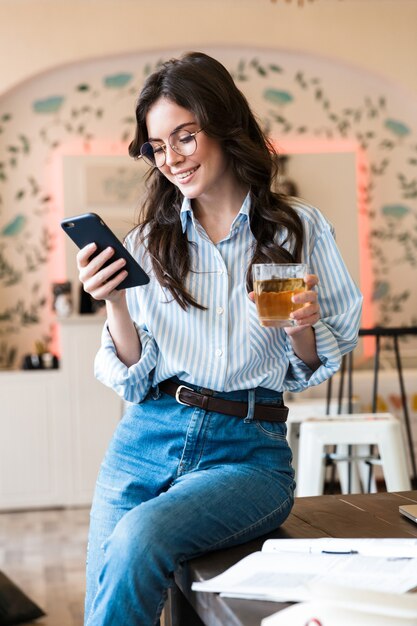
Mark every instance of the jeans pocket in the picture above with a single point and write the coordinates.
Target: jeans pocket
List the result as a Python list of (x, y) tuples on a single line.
[(273, 430)]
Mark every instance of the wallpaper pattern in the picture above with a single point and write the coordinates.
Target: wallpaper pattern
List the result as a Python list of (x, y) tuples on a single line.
[(295, 96)]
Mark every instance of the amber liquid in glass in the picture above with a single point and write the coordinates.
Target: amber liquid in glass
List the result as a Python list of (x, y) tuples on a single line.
[(273, 300)]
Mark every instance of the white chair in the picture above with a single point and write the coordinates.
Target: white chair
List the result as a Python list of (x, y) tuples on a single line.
[(301, 410), (359, 430)]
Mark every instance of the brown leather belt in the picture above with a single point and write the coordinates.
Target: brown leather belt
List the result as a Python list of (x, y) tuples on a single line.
[(189, 397)]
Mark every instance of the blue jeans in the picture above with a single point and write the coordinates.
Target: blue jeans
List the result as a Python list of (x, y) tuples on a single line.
[(176, 482)]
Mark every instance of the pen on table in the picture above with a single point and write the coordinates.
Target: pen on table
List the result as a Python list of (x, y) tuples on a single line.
[(339, 552)]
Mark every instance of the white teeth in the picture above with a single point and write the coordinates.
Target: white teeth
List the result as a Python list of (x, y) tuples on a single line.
[(185, 174)]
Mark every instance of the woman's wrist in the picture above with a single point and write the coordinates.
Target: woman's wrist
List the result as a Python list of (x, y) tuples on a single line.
[(303, 341), (117, 306), (123, 331)]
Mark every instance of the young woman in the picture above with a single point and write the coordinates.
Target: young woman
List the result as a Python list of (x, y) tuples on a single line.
[(200, 460)]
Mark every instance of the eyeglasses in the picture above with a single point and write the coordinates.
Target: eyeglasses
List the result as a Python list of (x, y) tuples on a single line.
[(180, 141)]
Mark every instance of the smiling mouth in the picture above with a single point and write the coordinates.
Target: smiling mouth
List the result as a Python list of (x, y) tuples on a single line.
[(186, 174)]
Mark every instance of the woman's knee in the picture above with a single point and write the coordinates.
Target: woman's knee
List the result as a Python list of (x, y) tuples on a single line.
[(140, 534)]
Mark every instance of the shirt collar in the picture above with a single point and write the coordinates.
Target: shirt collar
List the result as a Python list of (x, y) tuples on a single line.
[(187, 211)]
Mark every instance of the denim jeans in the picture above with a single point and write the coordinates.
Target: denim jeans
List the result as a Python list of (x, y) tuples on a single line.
[(177, 482)]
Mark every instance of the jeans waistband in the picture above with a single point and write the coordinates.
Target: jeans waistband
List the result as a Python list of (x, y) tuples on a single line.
[(262, 394), (244, 404)]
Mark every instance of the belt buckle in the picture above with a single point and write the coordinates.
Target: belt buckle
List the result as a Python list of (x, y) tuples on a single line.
[(178, 391)]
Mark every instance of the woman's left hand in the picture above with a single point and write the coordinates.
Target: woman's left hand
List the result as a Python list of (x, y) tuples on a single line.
[(309, 314)]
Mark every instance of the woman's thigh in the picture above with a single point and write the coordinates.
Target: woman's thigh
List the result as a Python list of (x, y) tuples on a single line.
[(201, 511), (160, 440)]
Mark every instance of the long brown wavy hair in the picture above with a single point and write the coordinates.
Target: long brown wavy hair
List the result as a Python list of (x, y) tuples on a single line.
[(202, 85)]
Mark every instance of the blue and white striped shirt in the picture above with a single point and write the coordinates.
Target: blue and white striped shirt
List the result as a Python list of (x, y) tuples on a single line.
[(224, 347)]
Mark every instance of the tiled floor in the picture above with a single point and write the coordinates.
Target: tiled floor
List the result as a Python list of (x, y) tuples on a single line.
[(43, 552)]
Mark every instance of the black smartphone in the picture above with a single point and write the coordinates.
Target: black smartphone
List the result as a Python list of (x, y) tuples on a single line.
[(90, 228)]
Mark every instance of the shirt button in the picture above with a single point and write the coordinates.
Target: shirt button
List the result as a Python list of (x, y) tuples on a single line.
[(221, 272), (219, 310), (219, 352)]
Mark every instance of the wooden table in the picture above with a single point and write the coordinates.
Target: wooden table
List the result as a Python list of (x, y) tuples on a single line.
[(359, 515)]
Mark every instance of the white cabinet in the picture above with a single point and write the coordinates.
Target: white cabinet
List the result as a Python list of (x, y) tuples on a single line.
[(55, 425), (32, 439), (95, 409)]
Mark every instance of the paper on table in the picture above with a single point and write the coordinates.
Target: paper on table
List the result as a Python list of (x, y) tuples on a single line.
[(389, 604), (340, 606), (314, 612), (285, 575), (366, 547)]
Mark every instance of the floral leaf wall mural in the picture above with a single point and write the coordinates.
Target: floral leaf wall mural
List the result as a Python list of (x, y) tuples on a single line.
[(296, 97)]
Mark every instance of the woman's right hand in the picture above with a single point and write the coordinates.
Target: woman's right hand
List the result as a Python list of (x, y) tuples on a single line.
[(98, 281)]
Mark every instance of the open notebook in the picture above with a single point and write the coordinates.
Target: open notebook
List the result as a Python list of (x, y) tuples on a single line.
[(286, 569)]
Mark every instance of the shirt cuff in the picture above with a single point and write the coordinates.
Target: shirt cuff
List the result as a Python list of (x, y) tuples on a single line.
[(131, 383), (300, 376)]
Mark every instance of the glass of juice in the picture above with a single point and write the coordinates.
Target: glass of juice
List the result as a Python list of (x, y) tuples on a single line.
[(274, 285)]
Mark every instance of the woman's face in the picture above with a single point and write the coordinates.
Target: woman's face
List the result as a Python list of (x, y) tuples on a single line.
[(206, 171)]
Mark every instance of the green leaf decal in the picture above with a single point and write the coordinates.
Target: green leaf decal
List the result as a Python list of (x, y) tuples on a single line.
[(395, 210), (398, 128), (381, 290), (278, 97), (116, 81), (48, 105), (14, 227)]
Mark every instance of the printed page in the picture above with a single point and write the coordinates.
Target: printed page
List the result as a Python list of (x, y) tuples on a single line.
[(286, 576), (264, 576), (389, 574), (366, 547)]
